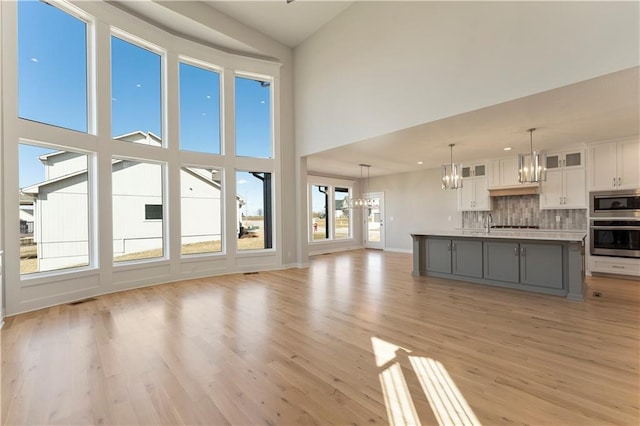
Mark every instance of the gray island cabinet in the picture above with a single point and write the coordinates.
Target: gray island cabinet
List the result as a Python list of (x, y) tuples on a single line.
[(539, 261)]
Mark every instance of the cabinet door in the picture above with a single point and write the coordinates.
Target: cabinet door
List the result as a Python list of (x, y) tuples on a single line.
[(554, 161), (482, 200), (465, 195), (439, 255), (573, 159), (541, 265), (575, 189), (467, 258), (603, 167), (502, 261), (509, 171), (480, 170), (629, 165), (551, 193)]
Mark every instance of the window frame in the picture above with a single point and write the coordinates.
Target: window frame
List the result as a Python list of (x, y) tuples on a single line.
[(92, 260), (106, 21), (331, 184), (272, 137), (143, 44), (223, 215), (91, 68), (182, 59)]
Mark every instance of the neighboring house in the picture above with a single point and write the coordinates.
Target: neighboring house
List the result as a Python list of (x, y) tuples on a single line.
[(60, 205), (26, 215), (342, 207)]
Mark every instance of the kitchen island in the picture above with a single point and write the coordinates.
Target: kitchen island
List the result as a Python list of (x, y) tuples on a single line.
[(550, 262)]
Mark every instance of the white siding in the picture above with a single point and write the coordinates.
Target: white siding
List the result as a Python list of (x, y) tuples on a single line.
[(201, 208), (135, 185), (62, 224), (63, 164)]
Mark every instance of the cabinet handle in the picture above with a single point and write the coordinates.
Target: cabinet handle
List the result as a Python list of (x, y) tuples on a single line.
[(617, 266), (515, 251), (523, 252), (619, 181), (613, 182), (448, 246), (454, 246)]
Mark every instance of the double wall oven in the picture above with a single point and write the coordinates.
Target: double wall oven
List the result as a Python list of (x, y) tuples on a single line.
[(615, 223)]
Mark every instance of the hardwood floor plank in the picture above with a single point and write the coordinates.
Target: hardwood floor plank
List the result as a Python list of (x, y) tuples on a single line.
[(319, 346)]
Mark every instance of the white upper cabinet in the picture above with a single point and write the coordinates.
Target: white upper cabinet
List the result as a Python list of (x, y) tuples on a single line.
[(615, 165), (565, 187), (474, 194)]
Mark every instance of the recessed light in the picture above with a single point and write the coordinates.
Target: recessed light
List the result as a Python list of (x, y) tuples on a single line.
[(507, 148), (420, 162)]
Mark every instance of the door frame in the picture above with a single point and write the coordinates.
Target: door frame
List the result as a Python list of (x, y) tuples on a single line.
[(379, 245)]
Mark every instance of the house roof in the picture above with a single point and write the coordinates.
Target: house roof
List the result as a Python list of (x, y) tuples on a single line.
[(124, 137)]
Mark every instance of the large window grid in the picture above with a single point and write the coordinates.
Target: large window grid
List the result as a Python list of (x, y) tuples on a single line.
[(95, 136)]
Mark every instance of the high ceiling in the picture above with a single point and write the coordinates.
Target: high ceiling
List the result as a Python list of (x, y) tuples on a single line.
[(599, 109), (603, 108), (287, 23)]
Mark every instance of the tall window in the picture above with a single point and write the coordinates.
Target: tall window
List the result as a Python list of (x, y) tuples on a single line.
[(199, 109), (254, 210), (138, 222), (329, 214), (319, 211), (136, 93), (54, 209), (253, 118), (201, 207), (52, 66), (341, 213)]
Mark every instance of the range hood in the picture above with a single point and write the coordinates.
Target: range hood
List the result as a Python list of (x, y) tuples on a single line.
[(505, 191)]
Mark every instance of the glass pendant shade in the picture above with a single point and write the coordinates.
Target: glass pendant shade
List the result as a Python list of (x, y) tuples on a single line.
[(532, 167), (451, 174)]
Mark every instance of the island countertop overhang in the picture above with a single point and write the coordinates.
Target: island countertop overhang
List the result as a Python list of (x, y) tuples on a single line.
[(539, 235)]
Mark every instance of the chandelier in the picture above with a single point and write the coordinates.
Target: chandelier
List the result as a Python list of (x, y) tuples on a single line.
[(532, 167), (363, 202), (451, 177)]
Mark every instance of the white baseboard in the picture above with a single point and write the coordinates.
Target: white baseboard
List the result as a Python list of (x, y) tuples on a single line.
[(398, 250), (300, 265), (333, 250)]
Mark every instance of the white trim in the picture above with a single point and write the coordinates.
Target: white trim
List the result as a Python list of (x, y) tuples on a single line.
[(398, 250), (335, 250)]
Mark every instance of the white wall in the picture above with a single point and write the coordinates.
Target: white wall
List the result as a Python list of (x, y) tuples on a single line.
[(416, 202), (384, 66)]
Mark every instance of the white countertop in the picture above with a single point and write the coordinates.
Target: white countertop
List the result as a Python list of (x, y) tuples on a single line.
[(520, 234)]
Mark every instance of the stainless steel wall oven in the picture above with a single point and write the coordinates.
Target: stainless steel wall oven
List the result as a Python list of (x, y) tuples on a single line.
[(615, 237), (623, 203)]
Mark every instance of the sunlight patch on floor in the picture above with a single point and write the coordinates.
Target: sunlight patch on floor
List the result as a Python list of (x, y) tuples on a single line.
[(444, 397)]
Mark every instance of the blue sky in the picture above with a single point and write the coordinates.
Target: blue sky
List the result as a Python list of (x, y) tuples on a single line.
[(52, 87)]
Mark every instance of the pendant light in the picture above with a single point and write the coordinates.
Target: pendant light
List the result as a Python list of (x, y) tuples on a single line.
[(532, 167), (363, 202), (451, 173)]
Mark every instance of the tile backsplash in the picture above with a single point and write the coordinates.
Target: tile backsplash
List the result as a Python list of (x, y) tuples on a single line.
[(525, 210)]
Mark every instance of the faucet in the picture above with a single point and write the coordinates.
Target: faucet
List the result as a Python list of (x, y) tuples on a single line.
[(489, 221)]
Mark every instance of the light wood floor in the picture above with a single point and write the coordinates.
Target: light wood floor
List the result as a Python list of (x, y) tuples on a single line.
[(297, 347)]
